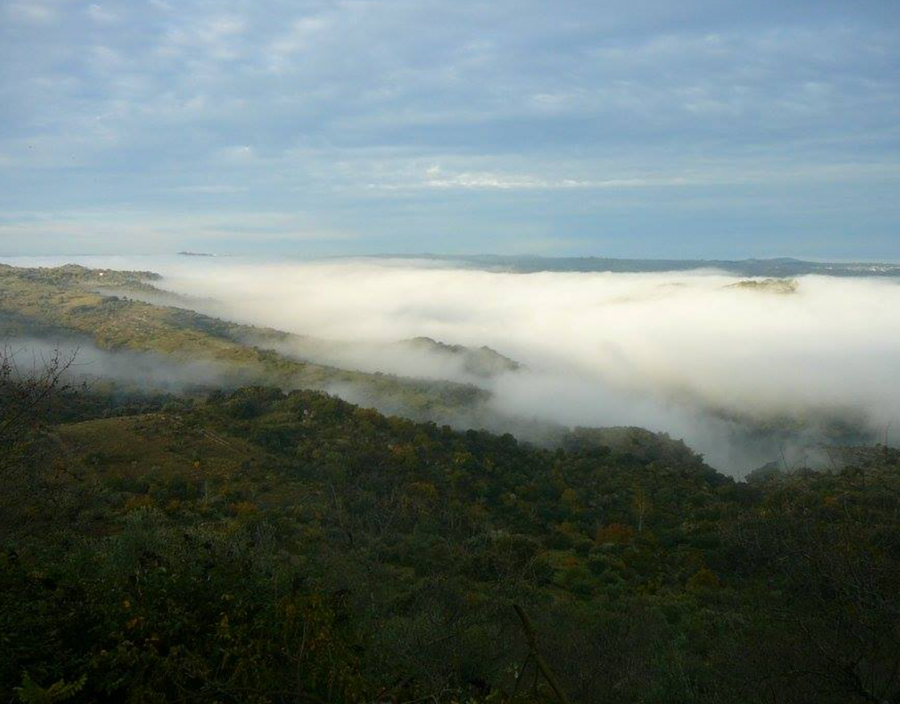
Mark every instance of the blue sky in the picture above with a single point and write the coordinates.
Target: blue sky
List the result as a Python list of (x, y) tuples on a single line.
[(645, 129)]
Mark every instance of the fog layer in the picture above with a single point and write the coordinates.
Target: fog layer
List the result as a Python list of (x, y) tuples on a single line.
[(687, 353), (84, 363)]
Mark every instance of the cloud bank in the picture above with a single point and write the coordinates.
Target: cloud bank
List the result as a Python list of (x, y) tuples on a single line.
[(686, 353), (743, 374)]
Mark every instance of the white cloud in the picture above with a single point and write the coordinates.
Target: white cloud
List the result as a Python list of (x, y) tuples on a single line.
[(435, 178), (676, 352), (658, 350)]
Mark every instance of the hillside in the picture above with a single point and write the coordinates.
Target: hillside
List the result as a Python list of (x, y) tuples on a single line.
[(257, 543), (76, 303)]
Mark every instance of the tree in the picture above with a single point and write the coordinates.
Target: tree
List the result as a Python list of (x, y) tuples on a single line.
[(27, 397), (828, 544)]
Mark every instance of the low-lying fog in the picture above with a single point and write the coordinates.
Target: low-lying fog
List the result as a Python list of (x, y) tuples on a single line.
[(81, 362), (684, 353)]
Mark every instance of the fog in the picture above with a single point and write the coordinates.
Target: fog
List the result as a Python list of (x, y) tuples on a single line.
[(83, 363), (744, 375)]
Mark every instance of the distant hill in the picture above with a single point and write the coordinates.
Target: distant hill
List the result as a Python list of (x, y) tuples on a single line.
[(782, 267), (481, 361)]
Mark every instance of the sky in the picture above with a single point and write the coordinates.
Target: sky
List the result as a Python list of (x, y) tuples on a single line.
[(658, 129)]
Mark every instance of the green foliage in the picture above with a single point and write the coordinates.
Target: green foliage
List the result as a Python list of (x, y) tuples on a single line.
[(32, 693), (307, 545)]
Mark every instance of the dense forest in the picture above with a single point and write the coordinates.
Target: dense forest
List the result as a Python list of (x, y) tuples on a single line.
[(251, 543)]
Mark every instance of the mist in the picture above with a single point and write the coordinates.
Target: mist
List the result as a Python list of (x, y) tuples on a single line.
[(745, 375), (84, 363)]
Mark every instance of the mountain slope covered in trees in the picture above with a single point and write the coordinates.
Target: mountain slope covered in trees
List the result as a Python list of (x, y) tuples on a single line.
[(258, 545)]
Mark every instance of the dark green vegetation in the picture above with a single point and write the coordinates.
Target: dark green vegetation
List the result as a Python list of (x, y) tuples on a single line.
[(256, 545), (263, 546)]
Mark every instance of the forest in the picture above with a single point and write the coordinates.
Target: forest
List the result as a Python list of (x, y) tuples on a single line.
[(260, 540)]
